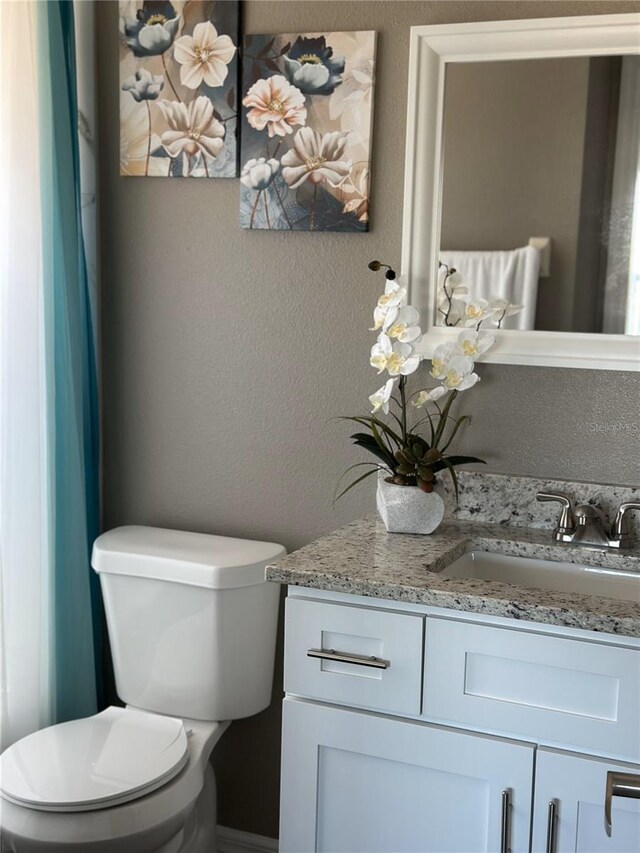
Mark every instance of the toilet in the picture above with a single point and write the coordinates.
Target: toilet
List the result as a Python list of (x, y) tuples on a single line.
[(192, 629)]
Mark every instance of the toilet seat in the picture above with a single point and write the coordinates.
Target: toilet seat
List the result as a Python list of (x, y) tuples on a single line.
[(132, 827), (94, 763)]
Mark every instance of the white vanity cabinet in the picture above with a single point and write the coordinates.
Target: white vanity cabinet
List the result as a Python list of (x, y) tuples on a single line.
[(409, 728), (365, 783), (571, 789)]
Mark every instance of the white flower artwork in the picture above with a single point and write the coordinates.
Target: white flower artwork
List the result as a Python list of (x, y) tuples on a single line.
[(178, 88), (307, 102)]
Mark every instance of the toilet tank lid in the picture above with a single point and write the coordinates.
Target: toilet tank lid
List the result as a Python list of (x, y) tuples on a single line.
[(195, 559)]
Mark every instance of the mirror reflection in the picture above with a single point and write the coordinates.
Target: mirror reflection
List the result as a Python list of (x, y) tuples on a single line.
[(541, 195)]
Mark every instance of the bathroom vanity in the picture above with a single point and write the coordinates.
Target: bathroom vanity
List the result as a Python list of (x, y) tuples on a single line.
[(433, 706)]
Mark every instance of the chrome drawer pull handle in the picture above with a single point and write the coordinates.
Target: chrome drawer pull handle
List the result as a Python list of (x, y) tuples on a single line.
[(552, 821), (505, 823), (342, 657), (619, 785)]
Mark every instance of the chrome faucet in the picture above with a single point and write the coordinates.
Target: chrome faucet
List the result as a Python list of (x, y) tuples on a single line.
[(587, 525)]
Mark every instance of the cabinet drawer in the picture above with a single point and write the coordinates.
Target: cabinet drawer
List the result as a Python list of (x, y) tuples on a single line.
[(389, 678), (563, 692)]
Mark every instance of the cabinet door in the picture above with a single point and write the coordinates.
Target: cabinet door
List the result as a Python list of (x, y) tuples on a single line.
[(355, 782), (576, 785)]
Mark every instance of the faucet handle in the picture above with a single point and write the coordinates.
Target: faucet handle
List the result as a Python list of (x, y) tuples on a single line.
[(620, 528), (567, 522)]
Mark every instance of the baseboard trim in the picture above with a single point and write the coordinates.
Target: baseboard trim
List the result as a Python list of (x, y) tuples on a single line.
[(237, 841)]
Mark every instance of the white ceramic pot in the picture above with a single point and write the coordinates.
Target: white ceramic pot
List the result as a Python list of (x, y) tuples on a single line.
[(407, 509)]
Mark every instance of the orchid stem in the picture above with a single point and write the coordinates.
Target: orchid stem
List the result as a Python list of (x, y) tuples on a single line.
[(443, 418), (403, 407)]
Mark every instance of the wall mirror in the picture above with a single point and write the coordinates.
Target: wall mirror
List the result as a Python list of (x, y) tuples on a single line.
[(523, 175)]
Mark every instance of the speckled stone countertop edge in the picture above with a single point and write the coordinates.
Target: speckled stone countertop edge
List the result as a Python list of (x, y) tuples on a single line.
[(361, 558)]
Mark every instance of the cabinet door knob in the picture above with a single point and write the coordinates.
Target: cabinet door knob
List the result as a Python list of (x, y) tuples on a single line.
[(619, 785), (505, 823), (552, 821), (343, 657)]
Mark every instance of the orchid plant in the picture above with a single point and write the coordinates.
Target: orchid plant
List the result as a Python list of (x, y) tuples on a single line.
[(458, 308), (413, 454)]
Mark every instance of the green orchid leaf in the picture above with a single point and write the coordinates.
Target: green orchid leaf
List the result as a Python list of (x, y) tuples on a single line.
[(387, 430), (374, 441), (454, 479), (363, 436), (376, 434), (429, 418), (455, 429), (405, 470), (355, 483), (367, 442), (367, 421), (425, 473), (443, 417), (457, 460), (350, 468)]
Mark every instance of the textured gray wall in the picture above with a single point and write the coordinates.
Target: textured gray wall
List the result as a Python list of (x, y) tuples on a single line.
[(226, 353)]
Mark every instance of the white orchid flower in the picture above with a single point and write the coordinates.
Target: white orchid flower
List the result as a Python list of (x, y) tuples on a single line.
[(441, 356), (501, 308), (425, 397), (460, 375), (475, 311), (380, 400), (453, 284), (498, 306), (397, 359), (402, 324), (393, 298), (380, 315), (473, 344)]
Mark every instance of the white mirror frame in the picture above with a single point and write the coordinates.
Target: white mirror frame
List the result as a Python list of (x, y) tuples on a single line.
[(432, 48)]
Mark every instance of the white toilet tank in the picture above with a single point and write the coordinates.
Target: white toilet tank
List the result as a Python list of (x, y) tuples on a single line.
[(192, 622)]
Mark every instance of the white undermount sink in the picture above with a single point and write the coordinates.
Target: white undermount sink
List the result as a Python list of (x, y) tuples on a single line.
[(546, 574)]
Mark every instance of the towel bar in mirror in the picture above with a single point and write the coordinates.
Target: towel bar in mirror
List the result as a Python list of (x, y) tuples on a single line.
[(518, 128)]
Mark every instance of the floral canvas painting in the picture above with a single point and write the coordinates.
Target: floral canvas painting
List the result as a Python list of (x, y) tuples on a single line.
[(178, 88), (306, 131)]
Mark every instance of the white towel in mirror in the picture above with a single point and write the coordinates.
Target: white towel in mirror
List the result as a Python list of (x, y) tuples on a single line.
[(511, 274)]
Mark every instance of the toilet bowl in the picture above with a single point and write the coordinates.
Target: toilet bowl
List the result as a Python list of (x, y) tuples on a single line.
[(192, 629), (179, 815)]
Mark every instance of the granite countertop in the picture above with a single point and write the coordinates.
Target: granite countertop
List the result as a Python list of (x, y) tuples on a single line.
[(363, 559)]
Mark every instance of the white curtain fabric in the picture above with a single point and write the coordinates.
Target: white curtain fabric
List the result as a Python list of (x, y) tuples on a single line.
[(30, 504), (511, 274), (25, 648)]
